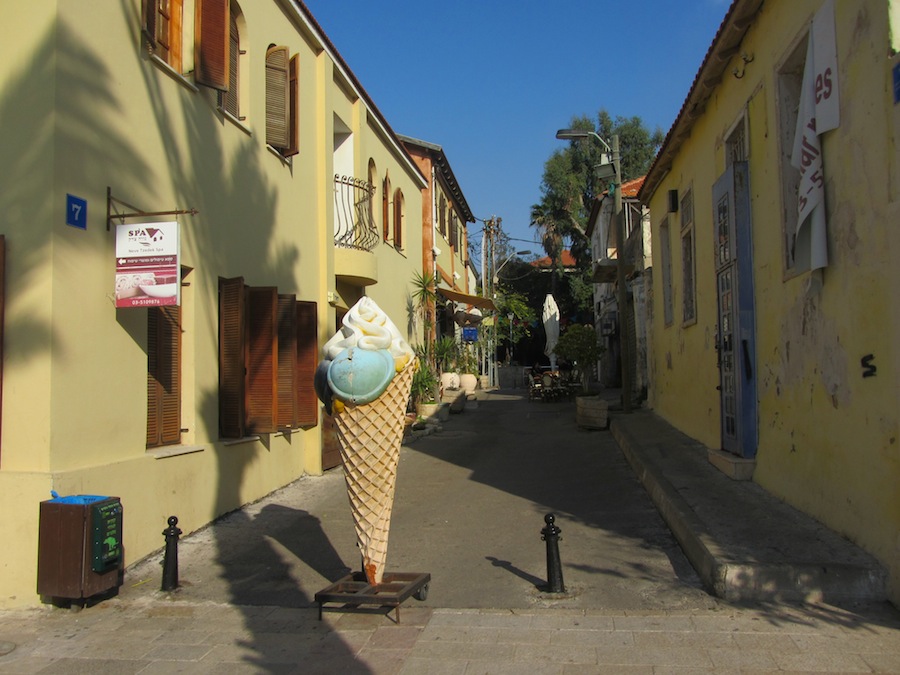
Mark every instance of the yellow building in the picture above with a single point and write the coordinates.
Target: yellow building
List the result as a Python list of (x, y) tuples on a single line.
[(773, 342), (445, 245), (239, 123)]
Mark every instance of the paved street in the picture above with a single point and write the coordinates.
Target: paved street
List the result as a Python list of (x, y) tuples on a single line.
[(469, 510)]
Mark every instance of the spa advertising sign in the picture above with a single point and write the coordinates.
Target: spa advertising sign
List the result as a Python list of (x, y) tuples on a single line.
[(147, 265)]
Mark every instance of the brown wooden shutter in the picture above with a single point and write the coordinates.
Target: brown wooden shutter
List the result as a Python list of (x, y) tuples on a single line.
[(231, 357), (148, 15), (170, 374), (163, 376), (398, 219), (385, 209), (154, 422), (307, 361), (293, 146), (287, 361), (262, 359), (211, 43), (2, 311), (277, 90), (230, 98)]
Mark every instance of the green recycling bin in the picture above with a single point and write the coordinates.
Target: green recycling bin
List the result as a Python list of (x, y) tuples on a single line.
[(80, 550)]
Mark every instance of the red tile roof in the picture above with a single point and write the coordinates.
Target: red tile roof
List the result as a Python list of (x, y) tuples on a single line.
[(630, 188), (568, 260)]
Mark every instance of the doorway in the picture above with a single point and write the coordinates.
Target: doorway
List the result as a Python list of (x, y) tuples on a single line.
[(736, 330)]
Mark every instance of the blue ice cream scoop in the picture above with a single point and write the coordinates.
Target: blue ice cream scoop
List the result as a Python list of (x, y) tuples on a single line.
[(359, 376), (320, 384)]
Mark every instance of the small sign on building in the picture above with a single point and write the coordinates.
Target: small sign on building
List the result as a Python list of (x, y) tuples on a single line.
[(76, 212), (148, 265)]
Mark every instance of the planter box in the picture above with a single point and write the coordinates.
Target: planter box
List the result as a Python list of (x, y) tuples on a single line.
[(591, 412), (433, 411)]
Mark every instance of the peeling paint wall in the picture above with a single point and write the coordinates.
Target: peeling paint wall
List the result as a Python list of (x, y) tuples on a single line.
[(828, 372)]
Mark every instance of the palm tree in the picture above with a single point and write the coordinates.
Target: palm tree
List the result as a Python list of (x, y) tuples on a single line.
[(424, 295)]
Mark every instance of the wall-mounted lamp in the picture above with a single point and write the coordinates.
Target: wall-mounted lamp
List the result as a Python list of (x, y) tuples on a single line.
[(746, 58)]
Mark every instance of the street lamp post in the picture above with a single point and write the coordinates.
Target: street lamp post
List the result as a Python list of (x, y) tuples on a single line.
[(621, 291)]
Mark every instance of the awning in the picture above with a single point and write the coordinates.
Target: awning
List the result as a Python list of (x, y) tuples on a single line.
[(474, 300)]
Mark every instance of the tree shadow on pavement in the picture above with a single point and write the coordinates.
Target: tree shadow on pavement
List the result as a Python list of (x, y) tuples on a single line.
[(478, 492)]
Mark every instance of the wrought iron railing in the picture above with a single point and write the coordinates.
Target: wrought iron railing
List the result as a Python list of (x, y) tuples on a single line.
[(354, 225)]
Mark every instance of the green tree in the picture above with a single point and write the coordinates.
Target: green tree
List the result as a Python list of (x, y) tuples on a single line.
[(569, 185), (510, 302), (580, 345)]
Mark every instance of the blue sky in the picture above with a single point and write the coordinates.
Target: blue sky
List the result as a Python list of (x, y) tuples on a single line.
[(492, 80)]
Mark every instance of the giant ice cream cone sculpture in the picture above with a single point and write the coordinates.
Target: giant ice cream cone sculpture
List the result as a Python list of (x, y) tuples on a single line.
[(366, 377)]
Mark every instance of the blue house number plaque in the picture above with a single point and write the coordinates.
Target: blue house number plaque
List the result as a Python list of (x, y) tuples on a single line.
[(76, 212)]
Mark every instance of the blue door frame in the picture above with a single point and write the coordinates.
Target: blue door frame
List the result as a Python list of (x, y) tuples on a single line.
[(736, 342)]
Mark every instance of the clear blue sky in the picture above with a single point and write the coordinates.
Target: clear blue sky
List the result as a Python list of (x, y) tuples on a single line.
[(492, 80)]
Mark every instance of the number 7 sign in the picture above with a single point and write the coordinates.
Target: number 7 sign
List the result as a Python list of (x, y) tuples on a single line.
[(76, 212)]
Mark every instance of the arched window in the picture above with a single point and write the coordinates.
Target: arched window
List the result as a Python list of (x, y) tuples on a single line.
[(385, 209), (399, 212), (373, 181)]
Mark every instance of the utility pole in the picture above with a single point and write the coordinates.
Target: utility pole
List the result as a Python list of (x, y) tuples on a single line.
[(488, 266), (621, 289)]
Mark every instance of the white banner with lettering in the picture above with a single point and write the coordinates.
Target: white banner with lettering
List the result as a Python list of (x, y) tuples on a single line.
[(819, 111)]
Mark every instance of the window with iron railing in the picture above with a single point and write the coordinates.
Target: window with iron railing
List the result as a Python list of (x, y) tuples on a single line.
[(354, 226)]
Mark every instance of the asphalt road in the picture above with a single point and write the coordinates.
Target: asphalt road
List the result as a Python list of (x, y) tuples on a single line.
[(469, 509)]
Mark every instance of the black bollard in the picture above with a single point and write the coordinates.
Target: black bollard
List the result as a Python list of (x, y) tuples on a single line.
[(170, 560), (550, 534)]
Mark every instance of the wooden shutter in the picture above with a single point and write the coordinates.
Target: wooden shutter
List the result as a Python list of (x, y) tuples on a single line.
[(148, 15), (293, 146), (385, 209), (162, 23), (287, 361), (230, 98), (398, 219), (307, 361), (2, 312), (231, 357), (163, 376), (211, 43), (277, 91), (262, 359)]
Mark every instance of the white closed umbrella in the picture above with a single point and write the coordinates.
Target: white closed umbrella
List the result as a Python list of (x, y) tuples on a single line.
[(550, 317)]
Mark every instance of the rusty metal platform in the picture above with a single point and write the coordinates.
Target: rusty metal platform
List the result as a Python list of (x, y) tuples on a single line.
[(395, 587)]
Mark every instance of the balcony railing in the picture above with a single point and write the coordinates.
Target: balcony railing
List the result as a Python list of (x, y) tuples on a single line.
[(354, 225)]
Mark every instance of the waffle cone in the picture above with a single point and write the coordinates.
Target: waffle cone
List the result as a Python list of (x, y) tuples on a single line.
[(370, 436)]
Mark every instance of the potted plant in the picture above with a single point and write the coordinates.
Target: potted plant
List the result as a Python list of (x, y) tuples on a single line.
[(580, 345), (445, 355), (468, 370), (425, 391)]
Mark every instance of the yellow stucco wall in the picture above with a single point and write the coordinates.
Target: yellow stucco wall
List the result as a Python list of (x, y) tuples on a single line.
[(829, 441), (75, 367)]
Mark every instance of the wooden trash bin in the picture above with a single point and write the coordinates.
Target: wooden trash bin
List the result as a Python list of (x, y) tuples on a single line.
[(80, 550)]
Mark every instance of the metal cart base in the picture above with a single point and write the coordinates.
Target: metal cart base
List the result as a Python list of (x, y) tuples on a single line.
[(395, 587)]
